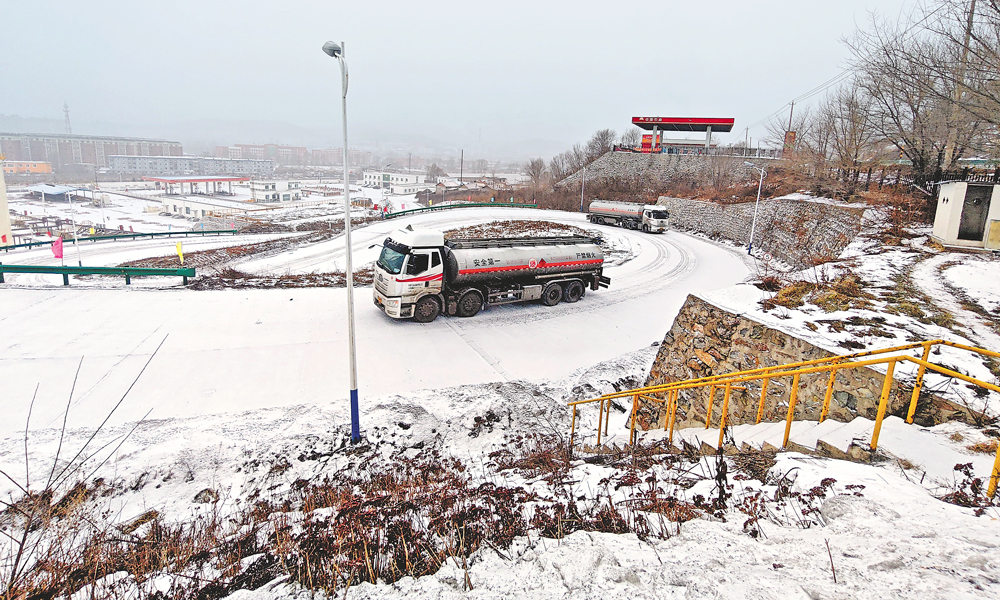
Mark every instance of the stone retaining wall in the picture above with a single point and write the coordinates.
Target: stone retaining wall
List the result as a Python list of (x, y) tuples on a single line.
[(707, 340), (648, 168), (799, 233)]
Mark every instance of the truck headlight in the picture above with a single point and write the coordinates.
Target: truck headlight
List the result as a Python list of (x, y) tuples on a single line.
[(394, 302)]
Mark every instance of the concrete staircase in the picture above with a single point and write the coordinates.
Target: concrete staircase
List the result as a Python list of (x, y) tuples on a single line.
[(919, 448)]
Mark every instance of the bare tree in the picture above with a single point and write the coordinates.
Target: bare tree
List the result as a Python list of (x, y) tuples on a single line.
[(776, 126), (600, 143), (631, 137), (912, 73), (535, 169), (845, 122), (433, 172), (559, 167)]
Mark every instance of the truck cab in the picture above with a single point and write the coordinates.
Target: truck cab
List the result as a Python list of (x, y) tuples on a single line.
[(409, 275), (655, 219)]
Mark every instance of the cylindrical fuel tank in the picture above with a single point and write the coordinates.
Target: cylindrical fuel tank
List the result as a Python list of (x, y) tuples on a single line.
[(617, 209), (474, 265)]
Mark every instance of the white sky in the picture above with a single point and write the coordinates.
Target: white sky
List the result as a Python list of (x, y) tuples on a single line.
[(527, 75)]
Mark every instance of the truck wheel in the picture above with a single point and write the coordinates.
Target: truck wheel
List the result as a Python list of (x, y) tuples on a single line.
[(469, 304), (645, 228), (573, 291), (552, 294), (426, 310)]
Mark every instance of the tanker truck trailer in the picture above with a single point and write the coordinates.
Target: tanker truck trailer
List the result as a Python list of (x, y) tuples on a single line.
[(647, 217), (420, 275)]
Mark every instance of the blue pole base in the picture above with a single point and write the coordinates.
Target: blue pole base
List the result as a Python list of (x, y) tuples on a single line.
[(355, 425)]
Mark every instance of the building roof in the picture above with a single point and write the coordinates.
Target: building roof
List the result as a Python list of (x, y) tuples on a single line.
[(72, 136), (684, 123), (194, 179), (52, 190)]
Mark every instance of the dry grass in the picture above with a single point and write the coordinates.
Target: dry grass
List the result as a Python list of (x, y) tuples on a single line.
[(507, 229), (989, 447), (754, 463), (844, 293)]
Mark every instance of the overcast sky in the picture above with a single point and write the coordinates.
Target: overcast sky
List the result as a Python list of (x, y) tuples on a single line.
[(524, 77)]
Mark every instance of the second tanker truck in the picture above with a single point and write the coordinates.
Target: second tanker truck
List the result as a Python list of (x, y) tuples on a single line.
[(647, 217), (420, 275)]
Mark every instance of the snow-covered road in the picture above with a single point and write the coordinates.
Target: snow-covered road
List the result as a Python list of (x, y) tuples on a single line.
[(237, 350)]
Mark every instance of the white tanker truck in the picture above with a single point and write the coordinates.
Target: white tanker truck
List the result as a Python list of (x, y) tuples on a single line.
[(647, 217), (420, 275)]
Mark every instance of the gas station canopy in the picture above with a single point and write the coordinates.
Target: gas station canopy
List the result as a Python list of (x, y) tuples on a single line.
[(684, 124)]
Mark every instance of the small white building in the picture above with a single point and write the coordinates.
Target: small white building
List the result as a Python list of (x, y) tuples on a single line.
[(275, 191), (968, 215), (387, 180), (196, 207)]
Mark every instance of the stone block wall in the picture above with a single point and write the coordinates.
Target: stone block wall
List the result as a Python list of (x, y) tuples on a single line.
[(646, 168), (796, 232), (707, 340)]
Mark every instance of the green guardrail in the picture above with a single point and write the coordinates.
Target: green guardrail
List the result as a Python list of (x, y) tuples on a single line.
[(127, 272), (463, 205), (125, 236)]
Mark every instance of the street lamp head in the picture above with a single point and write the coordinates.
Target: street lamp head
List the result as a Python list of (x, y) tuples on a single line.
[(333, 49)]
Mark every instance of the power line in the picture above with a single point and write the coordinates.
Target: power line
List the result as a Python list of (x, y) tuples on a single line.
[(844, 74)]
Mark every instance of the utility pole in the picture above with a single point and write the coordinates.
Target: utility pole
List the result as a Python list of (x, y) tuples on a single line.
[(583, 187), (76, 242), (949, 147), (461, 167), (790, 113)]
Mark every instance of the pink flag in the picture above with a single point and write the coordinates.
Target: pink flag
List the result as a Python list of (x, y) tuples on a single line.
[(57, 249)]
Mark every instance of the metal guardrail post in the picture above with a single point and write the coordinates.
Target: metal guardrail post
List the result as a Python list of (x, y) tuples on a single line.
[(791, 410), (635, 417), (709, 406), (725, 413), (991, 490), (883, 403), (829, 394), (763, 398), (65, 278), (918, 384), (607, 417), (673, 417), (572, 429), (600, 420)]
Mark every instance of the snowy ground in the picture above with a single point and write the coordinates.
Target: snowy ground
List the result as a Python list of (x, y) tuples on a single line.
[(244, 382), (917, 293), (888, 536), (239, 350)]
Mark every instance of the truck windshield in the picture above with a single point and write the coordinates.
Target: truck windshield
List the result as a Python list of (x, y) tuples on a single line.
[(391, 261), (660, 214)]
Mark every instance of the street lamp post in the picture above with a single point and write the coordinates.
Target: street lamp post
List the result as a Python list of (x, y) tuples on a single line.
[(756, 205), (337, 51)]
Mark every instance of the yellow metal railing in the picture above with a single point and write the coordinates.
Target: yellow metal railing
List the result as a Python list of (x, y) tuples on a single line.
[(832, 365)]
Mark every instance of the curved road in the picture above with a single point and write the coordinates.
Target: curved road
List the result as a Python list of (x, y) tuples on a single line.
[(237, 350)]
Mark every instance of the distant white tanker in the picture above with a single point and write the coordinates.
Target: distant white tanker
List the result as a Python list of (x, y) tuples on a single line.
[(647, 217), (419, 274)]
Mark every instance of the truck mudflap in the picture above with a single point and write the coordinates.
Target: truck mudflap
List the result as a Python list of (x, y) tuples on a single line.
[(603, 281)]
